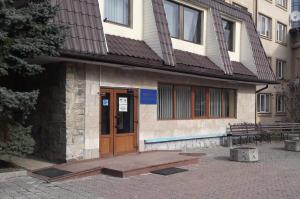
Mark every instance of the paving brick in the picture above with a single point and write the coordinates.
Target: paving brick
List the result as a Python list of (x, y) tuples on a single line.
[(275, 176)]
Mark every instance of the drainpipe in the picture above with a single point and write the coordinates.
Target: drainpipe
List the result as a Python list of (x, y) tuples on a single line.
[(258, 91), (255, 11)]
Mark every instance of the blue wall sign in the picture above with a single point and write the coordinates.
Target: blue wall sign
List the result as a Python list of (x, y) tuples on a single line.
[(148, 96)]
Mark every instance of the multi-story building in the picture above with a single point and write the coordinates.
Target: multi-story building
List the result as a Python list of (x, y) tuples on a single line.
[(294, 32), (272, 19), (140, 75)]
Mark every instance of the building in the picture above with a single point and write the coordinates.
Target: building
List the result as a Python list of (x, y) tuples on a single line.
[(272, 18), (148, 75), (294, 32)]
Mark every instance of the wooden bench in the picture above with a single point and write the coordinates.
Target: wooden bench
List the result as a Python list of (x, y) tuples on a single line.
[(246, 131), (285, 130)]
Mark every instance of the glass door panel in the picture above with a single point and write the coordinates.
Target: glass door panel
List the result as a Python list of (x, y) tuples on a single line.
[(125, 113), (105, 114)]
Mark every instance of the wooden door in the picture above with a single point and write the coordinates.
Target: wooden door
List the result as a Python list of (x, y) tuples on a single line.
[(118, 121), (106, 122)]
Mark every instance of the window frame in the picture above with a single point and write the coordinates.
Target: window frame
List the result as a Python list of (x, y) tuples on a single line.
[(259, 103), (283, 103), (283, 66), (285, 2), (207, 103), (269, 24), (233, 33), (106, 20), (181, 22), (284, 33)]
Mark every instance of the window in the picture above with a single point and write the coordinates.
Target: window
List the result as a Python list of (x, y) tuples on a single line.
[(182, 102), (240, 6), (192, 24), (280, 65), (229, 101), (265, 26), (215, 102), (117, 11), (228, 27), (280, 108), (200, 102), (282, 3), (281, 32), (187, 102), (165, 105), (263, 103), (172, 12), (184, 22)]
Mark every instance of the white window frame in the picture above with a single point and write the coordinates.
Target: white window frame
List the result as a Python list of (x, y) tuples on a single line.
[(280, 109), (280, 66), (264, 110), (282, 3), (267, 26), (280, 32)]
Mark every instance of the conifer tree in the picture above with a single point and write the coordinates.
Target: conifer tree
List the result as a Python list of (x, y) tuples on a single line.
[(26, 32)]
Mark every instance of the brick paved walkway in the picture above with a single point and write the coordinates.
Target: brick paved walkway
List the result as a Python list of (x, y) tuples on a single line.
[(277, 175)]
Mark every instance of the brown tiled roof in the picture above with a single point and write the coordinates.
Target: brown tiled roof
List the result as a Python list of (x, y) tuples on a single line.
[(87, 38), (191, 59), (84, 19), (125, 51), (239, 68), (163, 32), (130, 47)]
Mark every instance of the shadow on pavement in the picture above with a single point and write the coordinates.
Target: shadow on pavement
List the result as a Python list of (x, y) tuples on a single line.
[(224, 158)]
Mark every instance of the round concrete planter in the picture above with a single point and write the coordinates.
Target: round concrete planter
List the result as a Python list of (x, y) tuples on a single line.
[(244, 154), (292, 145)]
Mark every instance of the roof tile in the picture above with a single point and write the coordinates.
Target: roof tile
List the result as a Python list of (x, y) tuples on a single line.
[(86, 31)]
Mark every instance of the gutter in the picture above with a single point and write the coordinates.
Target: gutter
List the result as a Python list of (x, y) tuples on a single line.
[(258, 91)]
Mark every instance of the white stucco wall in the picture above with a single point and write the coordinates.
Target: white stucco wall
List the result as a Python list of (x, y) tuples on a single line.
[(151, 128), (246, 51)]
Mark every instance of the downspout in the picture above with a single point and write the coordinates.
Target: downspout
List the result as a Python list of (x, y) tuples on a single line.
[(258, 91), (255, 11)]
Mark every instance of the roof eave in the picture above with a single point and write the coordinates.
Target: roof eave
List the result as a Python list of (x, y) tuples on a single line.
[(152, 64)]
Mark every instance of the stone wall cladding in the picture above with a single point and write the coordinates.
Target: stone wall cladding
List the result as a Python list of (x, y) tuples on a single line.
[(48, 121), (185, 144), (75, 111)]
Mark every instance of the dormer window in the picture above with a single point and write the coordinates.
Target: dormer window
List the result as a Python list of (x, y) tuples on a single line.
[(228, 27), (184, 22), (117, 11)]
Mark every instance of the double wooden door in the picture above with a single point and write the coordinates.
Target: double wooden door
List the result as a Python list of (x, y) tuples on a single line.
[(118, 121)]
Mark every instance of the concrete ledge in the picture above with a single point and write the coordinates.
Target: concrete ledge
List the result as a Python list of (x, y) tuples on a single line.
[(183, 138), (292, 145), (244, 154), (12, 174), (183, 144)]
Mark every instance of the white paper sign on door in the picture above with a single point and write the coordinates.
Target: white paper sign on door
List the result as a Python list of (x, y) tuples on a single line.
[(123, 104)]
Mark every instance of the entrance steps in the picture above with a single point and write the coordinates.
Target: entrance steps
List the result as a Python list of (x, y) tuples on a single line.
[(120, 166)]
